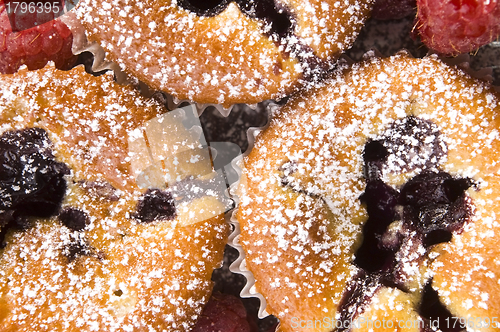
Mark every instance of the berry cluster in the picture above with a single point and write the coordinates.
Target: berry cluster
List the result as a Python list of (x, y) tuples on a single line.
[(32, 182), (33, 47)]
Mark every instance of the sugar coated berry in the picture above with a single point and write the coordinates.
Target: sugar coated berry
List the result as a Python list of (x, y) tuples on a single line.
[(74, 219), (452, 27)]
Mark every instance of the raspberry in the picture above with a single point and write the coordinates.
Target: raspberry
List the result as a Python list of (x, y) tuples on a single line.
[(33, 47), (452, 27), (393, 9), (225, 313)]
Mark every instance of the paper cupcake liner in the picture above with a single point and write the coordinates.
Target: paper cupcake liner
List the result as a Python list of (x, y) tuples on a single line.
[(81, 45), (174, 102), (239, 265)]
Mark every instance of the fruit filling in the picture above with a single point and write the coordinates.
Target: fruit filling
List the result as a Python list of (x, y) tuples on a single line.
[(204, 8), (361, 291), (277, 19), (427, 209), (436, 316), (74, 219), (77, 248), (32, 182), (403, 223), (413, 144), (156, 205)]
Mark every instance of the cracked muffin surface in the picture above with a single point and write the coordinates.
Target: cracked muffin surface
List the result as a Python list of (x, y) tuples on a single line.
[(373, 197), (225, 52), (83, 246)]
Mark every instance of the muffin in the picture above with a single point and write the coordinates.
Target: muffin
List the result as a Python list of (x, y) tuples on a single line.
[(224, 52), (86, 245), (371, 200)]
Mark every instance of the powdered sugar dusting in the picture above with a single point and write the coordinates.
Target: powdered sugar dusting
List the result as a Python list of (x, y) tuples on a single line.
[(301, 225), (222, 59), (116, 274)]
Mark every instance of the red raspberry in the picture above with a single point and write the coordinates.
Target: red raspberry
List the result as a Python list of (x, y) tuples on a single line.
[(393, 9), (225, 313), (452, 27), (33, 47)]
